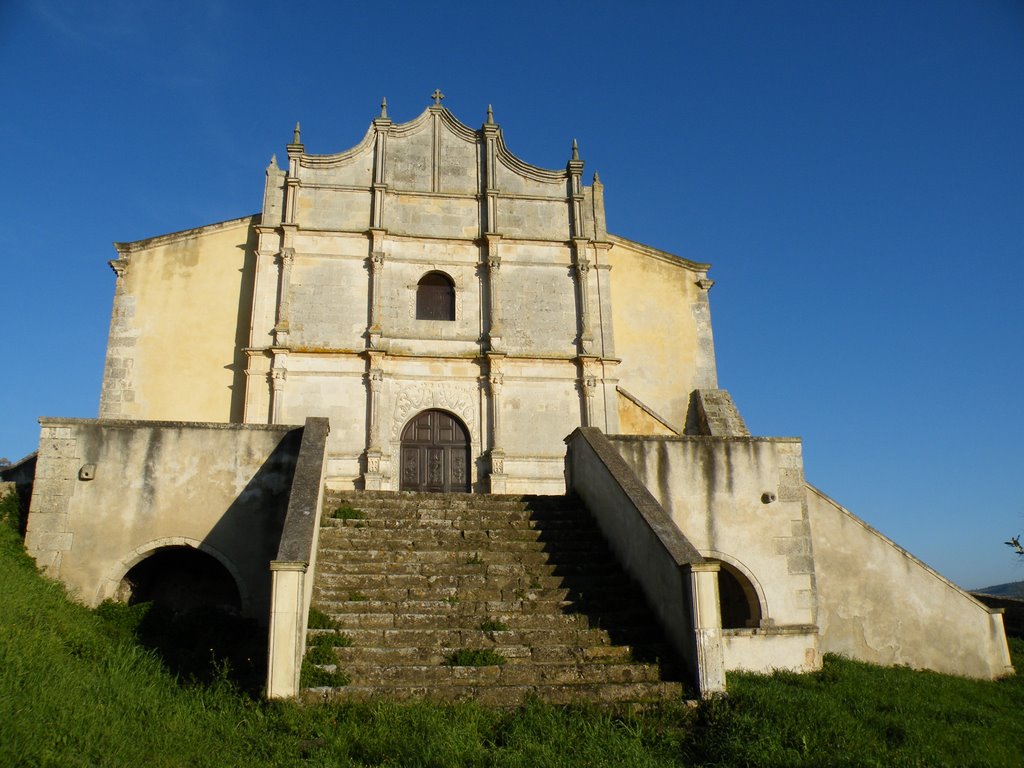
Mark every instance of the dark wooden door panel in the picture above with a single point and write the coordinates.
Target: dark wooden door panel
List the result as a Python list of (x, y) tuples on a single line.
[(435, 454)]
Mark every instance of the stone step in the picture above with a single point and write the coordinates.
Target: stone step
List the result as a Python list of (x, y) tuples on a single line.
[(604, 694), (566, 525), (416, 537), (358, 499), (510, 673), (438, 654), (474, 637), (356, 602), (515, 619), (437, 562), (463, 546), (412, 578), (341, 588)]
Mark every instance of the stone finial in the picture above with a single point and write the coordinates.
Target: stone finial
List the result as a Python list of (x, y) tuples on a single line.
[(295, 136), (384, 107), (597, 179), (490, 115), (273, 161), (437, 96), (575, 150)]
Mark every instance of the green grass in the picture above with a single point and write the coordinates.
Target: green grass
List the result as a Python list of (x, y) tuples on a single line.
[(474, 657), (78, 689), (348, 513), (320, 620)]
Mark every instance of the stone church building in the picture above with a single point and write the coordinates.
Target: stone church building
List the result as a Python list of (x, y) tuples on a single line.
[(455, 316)]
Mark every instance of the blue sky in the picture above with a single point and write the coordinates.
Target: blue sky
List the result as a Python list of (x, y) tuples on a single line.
[(853, 171)]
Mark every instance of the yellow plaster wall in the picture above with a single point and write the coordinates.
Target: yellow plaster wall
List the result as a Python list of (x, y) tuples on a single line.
[(655, 331), (634, 420), (192, 300)]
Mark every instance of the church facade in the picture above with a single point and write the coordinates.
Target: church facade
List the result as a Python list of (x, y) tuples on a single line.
[(454, 314), (427, 269)]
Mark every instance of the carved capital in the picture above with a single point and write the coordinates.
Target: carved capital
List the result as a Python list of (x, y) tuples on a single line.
[(377, 259), (583, 266), (705, 283), (277, 378)]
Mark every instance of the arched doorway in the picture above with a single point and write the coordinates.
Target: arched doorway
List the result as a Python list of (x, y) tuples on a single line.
[(435, 454), (181, 579), (188, 611)]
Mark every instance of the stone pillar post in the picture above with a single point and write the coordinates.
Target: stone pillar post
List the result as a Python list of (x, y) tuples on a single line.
[(278, 376), (374, 332), (706, 373), (495, 380), (381, 126), (709, 661), (372, 479), (494, 330), (582, 263), (295, 150), (284, 260), (490, 131)]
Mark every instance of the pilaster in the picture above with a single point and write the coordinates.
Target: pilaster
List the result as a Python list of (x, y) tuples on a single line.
[(374, 332), (493, 256), (285, 260), (495, 380), (295, 150), (381, 127), (373, 479), (707, 627)]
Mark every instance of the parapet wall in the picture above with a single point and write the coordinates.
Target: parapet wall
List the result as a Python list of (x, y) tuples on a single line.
[(878, 603), (109, 493)]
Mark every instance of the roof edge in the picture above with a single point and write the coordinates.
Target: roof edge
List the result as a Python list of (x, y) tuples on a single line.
[(657, 253), (171, 237)]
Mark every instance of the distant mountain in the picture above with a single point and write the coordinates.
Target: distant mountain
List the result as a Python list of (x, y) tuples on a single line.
[(1013, 589)]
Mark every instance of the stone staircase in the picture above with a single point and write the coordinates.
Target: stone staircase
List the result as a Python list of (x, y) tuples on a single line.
[(416, 583)]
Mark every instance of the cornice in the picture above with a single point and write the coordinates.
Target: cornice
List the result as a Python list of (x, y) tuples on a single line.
[(185, 234), (656, 253)]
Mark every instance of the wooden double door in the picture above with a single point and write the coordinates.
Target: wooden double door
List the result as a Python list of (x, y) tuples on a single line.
[(435, 454)]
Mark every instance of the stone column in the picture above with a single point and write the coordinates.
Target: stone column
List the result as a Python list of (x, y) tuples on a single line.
[(490, 131), (372, 479), (284, 260), (381, 126), (589, 383), (582, 263), (295, 150), (709, 661), (278, 376), (117, 389), (494, 330), (495, 380), (374, 332), (706, 373)]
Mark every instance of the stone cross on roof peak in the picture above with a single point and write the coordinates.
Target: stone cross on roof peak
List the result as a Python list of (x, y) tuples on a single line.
[(437, 96)]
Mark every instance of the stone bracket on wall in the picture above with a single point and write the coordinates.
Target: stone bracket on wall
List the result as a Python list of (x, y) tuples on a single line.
[(713, 413)]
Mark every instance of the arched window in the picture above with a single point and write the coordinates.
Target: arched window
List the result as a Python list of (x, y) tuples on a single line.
[(738, 599), (435, 297)]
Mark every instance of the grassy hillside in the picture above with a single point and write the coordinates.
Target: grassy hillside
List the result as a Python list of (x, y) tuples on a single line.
[(77, 689)]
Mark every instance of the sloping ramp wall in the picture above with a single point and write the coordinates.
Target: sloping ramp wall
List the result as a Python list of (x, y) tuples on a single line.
[(878, 603), (109, 493)]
